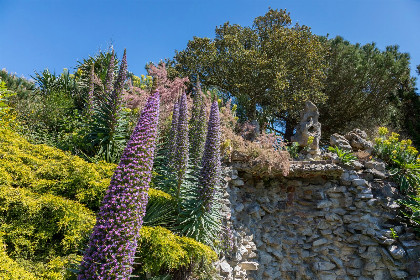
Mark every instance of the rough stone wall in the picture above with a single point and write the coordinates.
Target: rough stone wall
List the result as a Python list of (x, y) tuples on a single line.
[(322, 221)]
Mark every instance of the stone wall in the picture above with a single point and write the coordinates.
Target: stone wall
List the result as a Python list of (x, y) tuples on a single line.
[(322, 221)]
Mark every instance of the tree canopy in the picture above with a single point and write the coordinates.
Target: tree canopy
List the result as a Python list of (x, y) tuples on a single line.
[(271, 68)]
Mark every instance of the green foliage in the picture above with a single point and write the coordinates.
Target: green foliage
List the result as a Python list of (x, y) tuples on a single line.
[(365, 87), (161, 210), (270, 68), (401, 157), (21, 86), (344, 156), (393, 233), (39, 226), (293, 150), (162, 252), (412, 213), (7, 115), (10, 269), (44, 169)]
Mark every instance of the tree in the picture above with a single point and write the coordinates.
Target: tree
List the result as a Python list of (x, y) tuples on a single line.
[(365, 86), (269, 69)]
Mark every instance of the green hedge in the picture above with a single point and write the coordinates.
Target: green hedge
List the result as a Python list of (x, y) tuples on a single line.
[(10, 269), (44, 169), (38, 226)]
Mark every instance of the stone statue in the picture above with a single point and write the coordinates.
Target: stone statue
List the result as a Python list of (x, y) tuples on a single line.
[(308, 131)]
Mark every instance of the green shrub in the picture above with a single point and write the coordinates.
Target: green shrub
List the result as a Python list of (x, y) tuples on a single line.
[(162, 252), (38, 226), (345, 157), (10, 269), (402, 158), (44, 169)]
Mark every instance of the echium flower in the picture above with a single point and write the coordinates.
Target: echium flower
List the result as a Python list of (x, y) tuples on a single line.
[(113, 243), (197, 129), (172, 135), (91, 89), (110, 75), (117, 92), (181, 152), (210, 171), (119, 83)]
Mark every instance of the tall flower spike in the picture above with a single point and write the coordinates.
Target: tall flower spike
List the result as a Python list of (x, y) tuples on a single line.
[(113, 243), (122, 75), (91, 89), (172, 136), (197, 129), (210, 172), (110, 75), (181, 152)]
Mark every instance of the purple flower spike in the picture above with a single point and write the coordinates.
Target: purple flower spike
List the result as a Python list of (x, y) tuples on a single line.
[(181, 152), (210, 172), (110, 75), (119, 83), (172, 136), (91, 89), (113, 243)]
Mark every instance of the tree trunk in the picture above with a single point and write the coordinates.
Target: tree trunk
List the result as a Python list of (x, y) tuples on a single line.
[(289, 130)]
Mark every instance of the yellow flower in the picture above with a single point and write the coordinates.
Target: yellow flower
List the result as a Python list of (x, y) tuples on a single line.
[(378, 140), (409, 142), (383, 131), (394, 152)]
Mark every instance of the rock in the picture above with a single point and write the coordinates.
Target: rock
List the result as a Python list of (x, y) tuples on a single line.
[(396, 252), (309, 126), (323, 204), (237, 182), (358, 141), (380, 166), (356, 165), (376, 173), (340, 142), (320, 242), (225, 267), (399, 274), (359, 182), (321, 266), (249, 265)]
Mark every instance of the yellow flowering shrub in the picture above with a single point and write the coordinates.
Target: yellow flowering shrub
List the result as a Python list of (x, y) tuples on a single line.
[(160, 251), (390, 148), (7, 114), (10, 269), (42, 225), (45, 169), (402, 158)]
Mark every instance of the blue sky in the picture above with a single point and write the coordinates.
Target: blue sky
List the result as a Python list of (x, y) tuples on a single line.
[(37, 34)]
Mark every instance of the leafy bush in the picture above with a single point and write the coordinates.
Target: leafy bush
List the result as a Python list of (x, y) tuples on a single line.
[(10, 269), (42, 225), (44, 169), (344, 156), (412, 212), (401, 157), (162, 252), (7, 115)]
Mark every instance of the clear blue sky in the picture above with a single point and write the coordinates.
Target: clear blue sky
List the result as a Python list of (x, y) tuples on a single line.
[(54, 34)]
